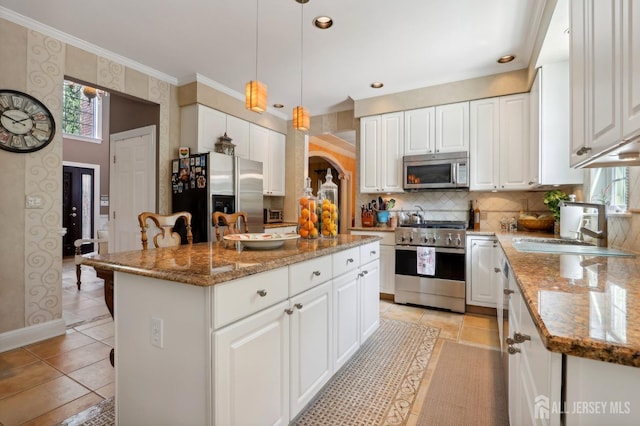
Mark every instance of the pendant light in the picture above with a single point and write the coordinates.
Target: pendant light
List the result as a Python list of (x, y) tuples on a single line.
[(256, 91), (300, 113)]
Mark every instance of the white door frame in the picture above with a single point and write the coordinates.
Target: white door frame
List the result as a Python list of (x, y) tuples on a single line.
[(96, 191)]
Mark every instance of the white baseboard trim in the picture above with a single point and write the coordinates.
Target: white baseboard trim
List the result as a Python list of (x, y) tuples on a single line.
[(25, 336)]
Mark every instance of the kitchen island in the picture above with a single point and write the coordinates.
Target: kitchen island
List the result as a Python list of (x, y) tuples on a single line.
[(215, 333), (574, 327)]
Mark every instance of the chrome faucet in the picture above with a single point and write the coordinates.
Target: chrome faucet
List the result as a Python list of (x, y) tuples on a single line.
[(602, 234)]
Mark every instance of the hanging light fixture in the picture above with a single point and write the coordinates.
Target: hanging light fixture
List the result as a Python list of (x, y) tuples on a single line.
[(256, 91), (300, 113)]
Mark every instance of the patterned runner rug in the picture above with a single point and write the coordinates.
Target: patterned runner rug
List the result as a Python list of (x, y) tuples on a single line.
[(376, 387)]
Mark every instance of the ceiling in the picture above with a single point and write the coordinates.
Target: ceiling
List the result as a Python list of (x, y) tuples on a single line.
[(405, 44)]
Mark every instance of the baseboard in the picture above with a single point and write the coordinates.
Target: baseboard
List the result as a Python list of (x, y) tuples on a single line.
[(35, 333), (471, 309), (386, 296)]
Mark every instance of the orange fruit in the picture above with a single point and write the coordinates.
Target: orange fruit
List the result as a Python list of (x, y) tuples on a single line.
[(301, 220), (314, 217), (304, 201), (310, 225), (313, 233), (334, 216), (325, 232), (304, 212), (312, 205), (303, 232)]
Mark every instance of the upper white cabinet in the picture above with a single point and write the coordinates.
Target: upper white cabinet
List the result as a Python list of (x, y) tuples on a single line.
[(549, 158), (381, 151), (201, 127), (444, 128), (499, 143), (452, 127), (605, 76), (268, 147)]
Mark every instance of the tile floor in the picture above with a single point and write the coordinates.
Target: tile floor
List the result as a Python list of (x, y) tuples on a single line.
[(50, 381)]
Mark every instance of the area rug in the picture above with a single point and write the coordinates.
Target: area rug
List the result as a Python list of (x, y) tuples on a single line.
[(376, 387), (379, 384), (467, 388)]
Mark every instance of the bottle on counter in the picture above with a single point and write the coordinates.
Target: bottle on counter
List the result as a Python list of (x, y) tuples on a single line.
[(513, 225), (471, 215), (329, 207), (307, 213), (476, 217)]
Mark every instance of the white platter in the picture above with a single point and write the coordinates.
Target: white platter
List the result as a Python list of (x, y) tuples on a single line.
[(261, 241)]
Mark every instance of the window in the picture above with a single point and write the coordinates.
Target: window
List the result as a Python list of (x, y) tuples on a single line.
[(609, 185), (82, 112)]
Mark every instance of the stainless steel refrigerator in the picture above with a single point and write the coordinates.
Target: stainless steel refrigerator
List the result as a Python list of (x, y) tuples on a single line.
[(204, 183)]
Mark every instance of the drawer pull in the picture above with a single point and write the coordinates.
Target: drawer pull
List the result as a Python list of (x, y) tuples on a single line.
[(316, 273), (372, 252), (298, 306), (519, 338), (508, 291), (365, 272), (288, 311), (496, 270), (262, 293), (350, 260), (513, 351)]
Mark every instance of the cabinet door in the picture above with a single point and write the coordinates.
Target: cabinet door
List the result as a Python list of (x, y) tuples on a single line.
[(514, 379), (630, 68), (211, 125), (345, 317), (482, 280), (251, 369), (419, 131), (392, 149), (370, 153), (311, 344), (578, 78), (514, 141), (484, 144), (276, 167), (259, 151), (239, 131), (387, 269), (452, 127), (534, 129), (369, 299)]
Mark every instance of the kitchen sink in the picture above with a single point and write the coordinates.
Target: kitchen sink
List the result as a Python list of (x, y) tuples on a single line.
[(564, 246)]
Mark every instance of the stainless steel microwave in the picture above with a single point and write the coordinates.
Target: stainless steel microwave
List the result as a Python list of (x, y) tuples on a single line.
[(436, 171)]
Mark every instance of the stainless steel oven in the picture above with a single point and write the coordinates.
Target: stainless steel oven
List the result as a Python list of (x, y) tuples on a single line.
[(446, 287)]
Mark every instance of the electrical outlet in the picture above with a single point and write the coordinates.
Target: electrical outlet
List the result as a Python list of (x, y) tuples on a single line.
[(157, 332), (34, 202)]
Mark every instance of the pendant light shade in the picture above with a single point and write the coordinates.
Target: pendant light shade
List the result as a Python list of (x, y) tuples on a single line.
[(256, 96), (301, 118), (255, 92)]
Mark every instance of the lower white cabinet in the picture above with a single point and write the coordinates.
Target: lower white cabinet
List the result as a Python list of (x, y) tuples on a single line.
[(369, 278), (251, 363), (482, 262), (345, 302), (387, 259)]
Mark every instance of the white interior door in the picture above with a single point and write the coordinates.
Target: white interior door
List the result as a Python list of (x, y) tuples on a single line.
[(132, 182)]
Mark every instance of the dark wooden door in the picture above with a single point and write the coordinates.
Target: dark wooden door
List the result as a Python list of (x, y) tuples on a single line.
[(77, 207)]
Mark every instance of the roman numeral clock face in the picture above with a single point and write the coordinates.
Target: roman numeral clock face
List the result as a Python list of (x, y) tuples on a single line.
[(26, 125)]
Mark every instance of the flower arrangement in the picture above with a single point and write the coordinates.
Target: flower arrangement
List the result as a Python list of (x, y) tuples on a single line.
[(552, 200)]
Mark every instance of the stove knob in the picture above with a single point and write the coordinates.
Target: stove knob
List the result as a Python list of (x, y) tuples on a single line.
[(402, 238), (458, 241), (426, 239), (411, 238), (449, 239)]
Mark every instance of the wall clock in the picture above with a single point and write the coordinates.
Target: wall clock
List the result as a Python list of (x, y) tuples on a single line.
[(26, 125)]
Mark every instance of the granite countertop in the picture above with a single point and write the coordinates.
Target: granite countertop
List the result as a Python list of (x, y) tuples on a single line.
[(372, 228), (585, 306), (206, 264)]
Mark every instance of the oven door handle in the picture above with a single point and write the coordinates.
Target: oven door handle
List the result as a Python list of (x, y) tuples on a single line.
[(438, 249)]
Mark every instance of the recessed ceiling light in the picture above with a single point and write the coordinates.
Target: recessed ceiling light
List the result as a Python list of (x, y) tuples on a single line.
[(302, 1), (377, 85), (323, 22), (278, 106), (506, 58)]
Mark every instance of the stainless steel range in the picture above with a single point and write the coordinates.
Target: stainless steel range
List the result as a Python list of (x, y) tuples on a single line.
[(446, 287)]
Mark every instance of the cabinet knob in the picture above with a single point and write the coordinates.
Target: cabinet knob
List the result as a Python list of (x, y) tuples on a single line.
[(496, 270), (360, 274), (349, 260), (288, 311), (372, 252), (262, 293), (513, 351), (298, 306), (519, 338), (510, 341), (508, 291), (365, 272), (316, 273), (583, 150)]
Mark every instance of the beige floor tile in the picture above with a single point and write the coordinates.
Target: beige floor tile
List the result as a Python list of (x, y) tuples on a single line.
[(78, 303), (480, 336), (404, 313), (97, 311), (18, 379), (80, 357), (57, 345), (100, 332), (39, 400), (481, 321), (15, 358), (62, 413), (94, 324), (107, 391), (96, 375)]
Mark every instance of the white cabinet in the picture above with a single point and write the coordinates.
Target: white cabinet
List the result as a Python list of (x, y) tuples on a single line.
[(605, 77), (420, 131), (311, 344), (550, 140), (499, 143), (251, 363), (481, 271), (280, 230), (369, 282), (387, 259), (452, 127), (345, 306), (201, 127), (381, 151), (268, 147)]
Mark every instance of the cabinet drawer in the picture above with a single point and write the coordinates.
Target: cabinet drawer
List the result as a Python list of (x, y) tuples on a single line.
[(369, 252), (345, 261), (308, 274), (242, 297)]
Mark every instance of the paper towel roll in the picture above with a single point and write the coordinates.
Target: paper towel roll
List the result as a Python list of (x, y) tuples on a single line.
[(570, 221)]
